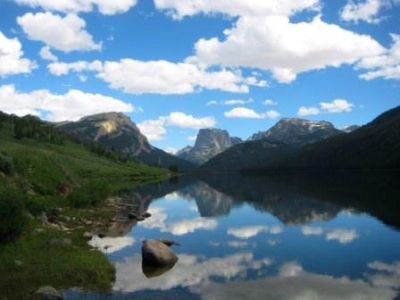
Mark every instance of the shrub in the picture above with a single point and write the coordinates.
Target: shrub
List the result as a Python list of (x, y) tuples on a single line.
[(12, 215), (6, 163)]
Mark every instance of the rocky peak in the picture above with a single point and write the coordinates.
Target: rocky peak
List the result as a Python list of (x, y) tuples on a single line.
[(209, 142), (294, 131)]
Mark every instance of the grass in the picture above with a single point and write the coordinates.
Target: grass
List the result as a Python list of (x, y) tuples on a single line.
[(70, 183)]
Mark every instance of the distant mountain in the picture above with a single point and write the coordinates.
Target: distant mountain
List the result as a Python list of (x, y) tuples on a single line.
[(293, 131), (209, 142), (118, 132), (350, 128), (373, 146), (262, 148)]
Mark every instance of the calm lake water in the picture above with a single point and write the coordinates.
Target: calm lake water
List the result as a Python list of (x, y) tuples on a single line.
[(270, 237)]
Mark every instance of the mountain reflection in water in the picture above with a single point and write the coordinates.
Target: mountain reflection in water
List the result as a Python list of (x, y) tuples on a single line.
[(272, 237)]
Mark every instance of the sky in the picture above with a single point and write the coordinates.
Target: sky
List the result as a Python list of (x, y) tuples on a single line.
[(176, 66)]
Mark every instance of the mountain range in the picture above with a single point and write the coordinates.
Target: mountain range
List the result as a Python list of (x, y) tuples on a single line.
[(288, 147), (120, 133), (291, 144)]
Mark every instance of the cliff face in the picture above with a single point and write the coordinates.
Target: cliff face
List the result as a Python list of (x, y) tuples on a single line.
[(209, 143)]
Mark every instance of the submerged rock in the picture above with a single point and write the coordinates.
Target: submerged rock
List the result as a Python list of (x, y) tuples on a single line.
[(48, 292), (157, 253)]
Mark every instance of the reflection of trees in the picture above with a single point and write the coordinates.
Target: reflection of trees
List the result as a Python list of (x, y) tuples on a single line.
[(137, 202), (300, 198), (275, 197)]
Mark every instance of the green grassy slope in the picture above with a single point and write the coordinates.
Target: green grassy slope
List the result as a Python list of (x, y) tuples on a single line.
[(43, 170)]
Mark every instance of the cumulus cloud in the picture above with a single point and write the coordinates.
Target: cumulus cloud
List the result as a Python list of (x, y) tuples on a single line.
[(385, 66), (179, 9), (388, 274), (366, 11), (155, 129), (336, 106), (53, 107), (285, 48), (230, 102), (105, 7), (46, 54), (270, 102), (243, 112), (11, 57), (159, 77), (263, 37), (62, 33)]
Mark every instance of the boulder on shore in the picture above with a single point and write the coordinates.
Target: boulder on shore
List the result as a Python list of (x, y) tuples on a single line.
[(156, 253)]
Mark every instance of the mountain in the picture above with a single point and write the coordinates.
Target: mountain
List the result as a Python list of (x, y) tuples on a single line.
[(262, 148), (373, 146), (293, 131), (209, 142), (117, 132)]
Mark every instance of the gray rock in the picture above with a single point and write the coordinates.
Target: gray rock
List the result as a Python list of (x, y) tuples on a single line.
[(48, 292), (156, 253)]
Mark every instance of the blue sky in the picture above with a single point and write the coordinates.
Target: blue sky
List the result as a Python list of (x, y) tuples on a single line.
[(175, 66)]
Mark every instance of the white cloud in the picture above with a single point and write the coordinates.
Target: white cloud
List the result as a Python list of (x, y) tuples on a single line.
[(366, 11), (159, 77), (11, 57), (46, 54), (230, 102), (286, 49), (53, 107), (243, 112), (270, 102), (179, 9), (336, 106), (106, 7), (155, 129), (343, 236), (62, 33), (307, 111), (385, 66)]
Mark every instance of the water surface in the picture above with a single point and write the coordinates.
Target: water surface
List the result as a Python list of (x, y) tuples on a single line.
[(272, 237)]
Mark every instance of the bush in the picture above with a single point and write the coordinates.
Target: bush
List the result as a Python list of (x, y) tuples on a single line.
[(6, 163), (12, 215)]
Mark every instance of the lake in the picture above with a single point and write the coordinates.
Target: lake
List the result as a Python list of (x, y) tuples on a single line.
[(321, 236)]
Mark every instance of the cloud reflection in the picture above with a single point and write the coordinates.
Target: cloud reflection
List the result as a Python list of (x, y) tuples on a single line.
[(189, 271), (389, 275), (294, 283), (251, 231), (343, 236), (111, 244), (159, 217)]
